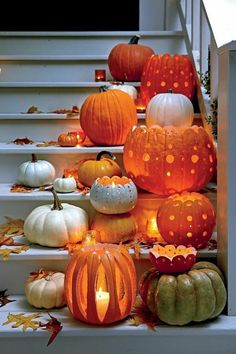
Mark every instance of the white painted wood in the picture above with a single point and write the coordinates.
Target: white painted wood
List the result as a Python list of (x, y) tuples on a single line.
[(57, 84), (214, 68), (204, 41), (151, 15), (46, 57), (36, 116), (195, 40), (172, 19)]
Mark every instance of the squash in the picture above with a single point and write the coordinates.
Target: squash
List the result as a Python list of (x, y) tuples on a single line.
[(197, 295), (89, 170), (45, 289), (131, 90), (64, 184), (57, 225), (36, 173), (67, 139), (169, 109)]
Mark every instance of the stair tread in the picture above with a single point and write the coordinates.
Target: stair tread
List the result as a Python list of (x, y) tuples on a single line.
[(91, 34), (60, 57), (26, 84)]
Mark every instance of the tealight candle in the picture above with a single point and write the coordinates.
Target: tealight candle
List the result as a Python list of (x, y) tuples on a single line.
[(100, 75), (102, 303)]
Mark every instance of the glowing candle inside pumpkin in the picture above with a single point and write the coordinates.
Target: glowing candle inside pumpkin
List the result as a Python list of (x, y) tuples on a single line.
[(89, 238), (102, 303), (100, 75), (152, 229), (113, 184)]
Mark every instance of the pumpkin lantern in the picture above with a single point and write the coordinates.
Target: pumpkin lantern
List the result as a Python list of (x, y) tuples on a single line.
[(164, 72), (169, 160), (186, 219), (115, 195), (100, 284), (107, 117), (126, 61)]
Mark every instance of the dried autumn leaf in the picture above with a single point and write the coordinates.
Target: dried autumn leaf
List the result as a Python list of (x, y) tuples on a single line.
[(47, 143), (73, 110), (54, 326), (20, 188), (22, 141), (212, 245), (23, 320), (8, 241), (5, 252), (71, 247), (33, 109), (142, 315), (4, 298), (40, 274), (12, 227)]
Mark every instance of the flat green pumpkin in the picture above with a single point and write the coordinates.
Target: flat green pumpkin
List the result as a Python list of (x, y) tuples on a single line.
[(196, 296)]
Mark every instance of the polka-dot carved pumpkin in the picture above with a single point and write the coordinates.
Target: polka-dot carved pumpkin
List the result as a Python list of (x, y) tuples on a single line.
[(164, 72), (186, 219), (169, 160)]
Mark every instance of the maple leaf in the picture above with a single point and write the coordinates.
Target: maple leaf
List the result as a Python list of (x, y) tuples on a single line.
[(22, 141), (4, 298), (5, 252), (20, 188), (8, 241), (23, 320), (54, 326), (142, 315), (12, 227), (33, 109)]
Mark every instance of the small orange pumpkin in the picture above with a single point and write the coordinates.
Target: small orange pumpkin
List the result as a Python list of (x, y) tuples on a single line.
[(67, 140)]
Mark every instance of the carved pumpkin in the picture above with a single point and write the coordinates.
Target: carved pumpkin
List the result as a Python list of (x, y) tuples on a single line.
[(196, 296), (131, 90), (169, 160), (89, 170), (164, 72), (100, 284), (67, 140), (169, 109), (126, 61), (186, 219), (45, 289), (115, 195), (65, 184), (114, 228), (107, 117)]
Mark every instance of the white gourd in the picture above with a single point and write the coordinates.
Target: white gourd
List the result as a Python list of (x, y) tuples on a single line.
[(64, 185), (36, 173), (131, 90), (56, 225)]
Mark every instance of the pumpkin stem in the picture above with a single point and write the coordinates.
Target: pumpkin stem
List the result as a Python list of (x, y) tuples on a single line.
[(169, 90), (56, 202), (101, 153), (103, 88), (135, 39), (34, 158)]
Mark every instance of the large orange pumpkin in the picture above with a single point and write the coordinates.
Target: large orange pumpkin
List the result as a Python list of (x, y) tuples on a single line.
[(169, 160), (126, 61), (164, 72), (107, 117), (100, 284)]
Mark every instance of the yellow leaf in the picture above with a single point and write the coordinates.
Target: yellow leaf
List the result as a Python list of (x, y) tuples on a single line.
[(23, 320), (12, 227), (5, 252)]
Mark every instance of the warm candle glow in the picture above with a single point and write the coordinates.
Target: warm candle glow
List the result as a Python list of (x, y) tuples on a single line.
[(89, 238), (152, 230), (100, 75), (140, 106), (102, 303)]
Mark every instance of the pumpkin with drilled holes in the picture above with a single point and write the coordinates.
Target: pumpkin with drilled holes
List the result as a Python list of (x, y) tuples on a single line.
[(114, 228), (67, 140), (126, 60), (197, 295), (36, 173), (169, 160), (169, 109), (100, 284), (45, 289), (164, 72), (56, 225), (107, 117), (131, 90), (89, 170), (186, 219), (115, 195)]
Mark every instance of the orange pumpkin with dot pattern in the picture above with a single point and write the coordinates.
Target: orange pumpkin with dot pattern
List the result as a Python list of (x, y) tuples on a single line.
[(164, 72), (186, 219), (169, 160)]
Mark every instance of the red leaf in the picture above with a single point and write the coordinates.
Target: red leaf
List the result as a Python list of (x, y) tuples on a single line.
[(4, 298), (54, 326), (142, 315)]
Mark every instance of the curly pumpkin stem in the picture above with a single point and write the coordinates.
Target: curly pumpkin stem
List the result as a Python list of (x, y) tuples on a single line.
[(134, 39), (34, 158), (56, 202), (101, 153), (103, 88)]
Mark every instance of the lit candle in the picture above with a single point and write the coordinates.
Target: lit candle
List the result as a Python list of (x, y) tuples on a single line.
[(100, 75), (102, 303), (152, 230), (140, 107)]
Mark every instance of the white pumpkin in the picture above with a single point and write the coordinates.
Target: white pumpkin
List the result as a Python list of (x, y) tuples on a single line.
[(56, 225), (45, 289), (36, 173), (169, 109), (131, 90), (64, 185)]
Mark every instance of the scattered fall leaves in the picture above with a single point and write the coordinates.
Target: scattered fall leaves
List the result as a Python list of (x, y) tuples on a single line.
[(12, 227), (54, 326), (40, 274), (33, 109), (20, 319), (4, 298), (20, 188), (47, 143), (8, 241), (5, 252), (22, 141), (73, 110), (142, 315)]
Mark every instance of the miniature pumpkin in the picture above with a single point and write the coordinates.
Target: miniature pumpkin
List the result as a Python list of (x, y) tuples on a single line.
[(126, 61), (36, 173), (64, 184), (107, 117), (186, 219), (89, 170), (80, 135), (169, 160), (67, 140), (169, 109), (196, 296), (115, 195), (114, 228), (45, 289), (100, 284), (131, 90), (56, 225), (163, 72)]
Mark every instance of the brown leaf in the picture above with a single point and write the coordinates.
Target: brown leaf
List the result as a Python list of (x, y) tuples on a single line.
[(33, 109), (22, 141), (12, 227), (142, 315), (40, 274), (8, 241), (5, 252), (4, 298), (71, 247), (47, 143), (73, 110), (23, 320), (20, 188), (52, 326), (212, 245)]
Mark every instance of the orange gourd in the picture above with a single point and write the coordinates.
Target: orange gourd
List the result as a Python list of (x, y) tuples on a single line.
[(126, 60), (107, 117), (169, 160), (164, 72), (186, 219), (100, 284), (67, 140)]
